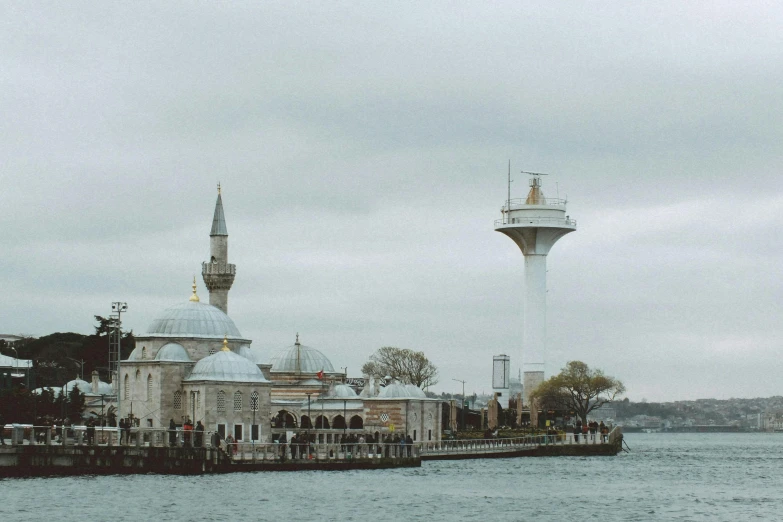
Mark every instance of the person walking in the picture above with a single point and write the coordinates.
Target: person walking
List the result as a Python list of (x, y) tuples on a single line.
[(577, 430), (90, 432), (229, 445), (172, 433), (199, 434), (409, 444)]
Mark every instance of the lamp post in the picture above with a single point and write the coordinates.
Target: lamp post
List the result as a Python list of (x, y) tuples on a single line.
[(345, 420), (118, 307), (463, 401), (309, 420), (16, 363), (81, 365)]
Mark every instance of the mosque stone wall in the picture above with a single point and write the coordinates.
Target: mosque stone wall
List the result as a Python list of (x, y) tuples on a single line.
[(211, 416)]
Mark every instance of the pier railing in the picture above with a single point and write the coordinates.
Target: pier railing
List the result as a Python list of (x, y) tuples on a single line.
[(478, 446), (25, 434), (261, 452)]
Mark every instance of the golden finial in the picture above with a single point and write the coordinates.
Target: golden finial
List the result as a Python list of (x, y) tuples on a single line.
[(194, 297), (225, 344)]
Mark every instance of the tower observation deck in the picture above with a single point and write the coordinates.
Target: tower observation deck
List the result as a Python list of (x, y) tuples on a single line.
[(534, 224)]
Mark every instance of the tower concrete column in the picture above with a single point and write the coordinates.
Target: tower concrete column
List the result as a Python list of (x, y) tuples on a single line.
[(218, 273), (534, 224)]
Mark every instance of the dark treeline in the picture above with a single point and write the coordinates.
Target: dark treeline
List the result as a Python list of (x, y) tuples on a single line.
[(57, 358)]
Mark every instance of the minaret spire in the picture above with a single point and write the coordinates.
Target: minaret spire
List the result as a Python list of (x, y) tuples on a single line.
[(218, 273)]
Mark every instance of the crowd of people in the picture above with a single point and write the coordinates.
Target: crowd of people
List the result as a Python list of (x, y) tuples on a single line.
[(590, 429)]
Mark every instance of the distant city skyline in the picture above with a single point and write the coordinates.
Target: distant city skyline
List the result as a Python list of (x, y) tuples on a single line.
[(363, 155)]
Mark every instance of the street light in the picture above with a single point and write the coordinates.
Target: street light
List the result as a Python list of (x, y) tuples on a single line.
[(118, 307), (80, 363), (16, 364), (463, 401)]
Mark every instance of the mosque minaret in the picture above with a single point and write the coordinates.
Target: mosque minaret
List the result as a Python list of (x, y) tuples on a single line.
[(218, 273)]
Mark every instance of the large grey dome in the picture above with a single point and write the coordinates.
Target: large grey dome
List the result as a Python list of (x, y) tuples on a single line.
[(299, 358), (193, 319), (172, 352), (226, 366)]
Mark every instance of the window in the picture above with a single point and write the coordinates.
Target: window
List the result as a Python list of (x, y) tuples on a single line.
[(177, 400), (429, 434), (238, 401), (143, 352), (414, 434), (149, 387), (212, 350), (238, 432), (221, 429), (254, 401), (254, 431), (221, 402), (126, 390)]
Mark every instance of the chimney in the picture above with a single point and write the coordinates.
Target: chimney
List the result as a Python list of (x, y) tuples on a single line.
[(95, 382)]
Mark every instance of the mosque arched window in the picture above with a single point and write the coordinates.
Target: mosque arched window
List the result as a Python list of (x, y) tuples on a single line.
[(221, 401), (238, 401), (143, 352), (149, 387), (126, 387), (212, 350), (138, 375), (177, 400), (254, 401)]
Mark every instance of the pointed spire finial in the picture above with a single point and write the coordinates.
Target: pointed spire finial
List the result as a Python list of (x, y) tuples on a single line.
[(194, 297), (219, 219), (297, 338), (225, 344)]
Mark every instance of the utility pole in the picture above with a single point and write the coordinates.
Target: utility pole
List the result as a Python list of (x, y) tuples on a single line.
[(115, 349), (463, 401)]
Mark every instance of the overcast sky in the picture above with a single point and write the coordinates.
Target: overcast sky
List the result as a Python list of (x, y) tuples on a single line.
[(363, 151)]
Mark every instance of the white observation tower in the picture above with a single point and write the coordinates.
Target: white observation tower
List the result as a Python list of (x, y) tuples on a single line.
[(535, 224)]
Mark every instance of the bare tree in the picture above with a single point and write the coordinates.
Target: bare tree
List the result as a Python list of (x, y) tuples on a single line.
[(401, 363), (578, 388)]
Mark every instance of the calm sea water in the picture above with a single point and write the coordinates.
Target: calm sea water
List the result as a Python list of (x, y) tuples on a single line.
[(665, 477)]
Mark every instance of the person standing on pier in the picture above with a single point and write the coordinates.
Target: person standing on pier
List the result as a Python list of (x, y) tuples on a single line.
[(172, 433), (199, 434), (577, 430), (2, 429)]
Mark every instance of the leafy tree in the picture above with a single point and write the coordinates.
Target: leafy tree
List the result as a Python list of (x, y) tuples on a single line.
[(578, 388), (74, 404), (401, 363)]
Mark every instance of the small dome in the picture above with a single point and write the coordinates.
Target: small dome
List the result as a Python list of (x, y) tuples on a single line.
[(342, 391), (84, 387), (172, 352), (248, 354), (415, 392), (104, 388), (394, 391), (300, 359), (193, 319), (226, 366)]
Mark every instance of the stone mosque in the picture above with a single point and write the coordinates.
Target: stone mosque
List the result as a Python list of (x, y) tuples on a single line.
[(193, 363)]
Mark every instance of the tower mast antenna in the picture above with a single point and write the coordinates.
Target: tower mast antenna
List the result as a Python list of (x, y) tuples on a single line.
[(508, 199)]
